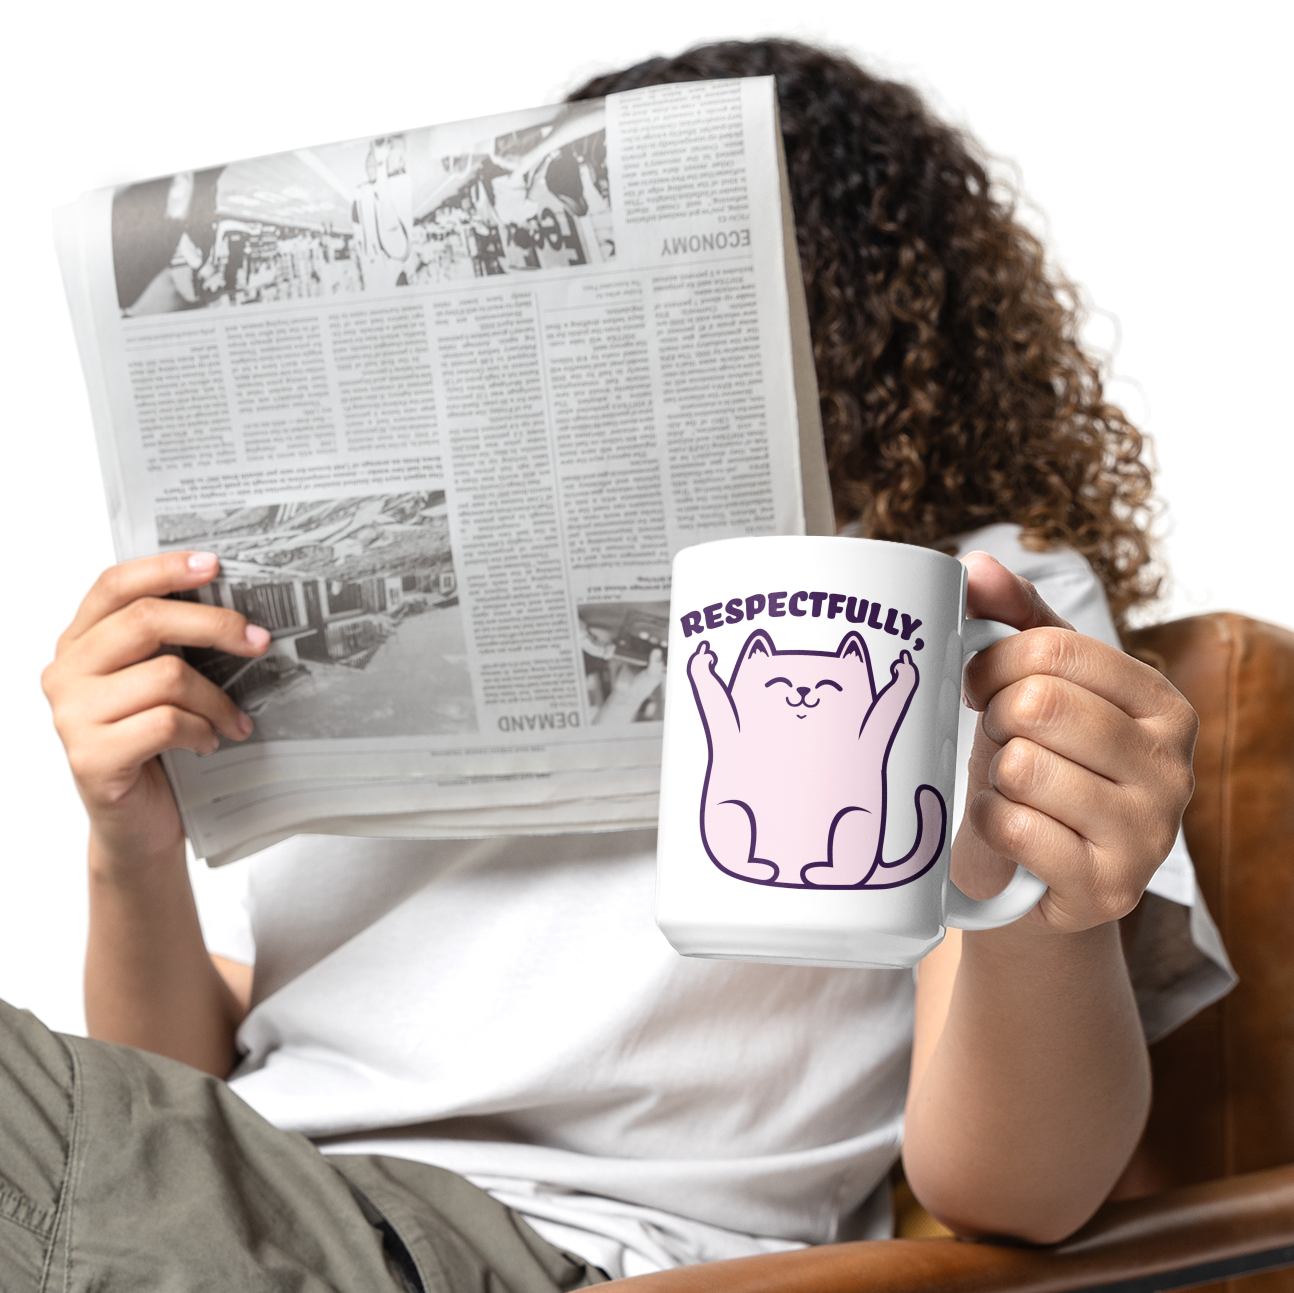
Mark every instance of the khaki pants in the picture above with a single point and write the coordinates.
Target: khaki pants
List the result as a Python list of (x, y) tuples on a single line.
[(120, 1170)]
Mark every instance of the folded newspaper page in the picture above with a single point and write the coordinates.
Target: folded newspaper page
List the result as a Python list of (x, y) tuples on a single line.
[(445, 403)]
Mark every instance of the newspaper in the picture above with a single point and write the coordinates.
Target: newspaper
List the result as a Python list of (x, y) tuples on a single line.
[(445, 403)]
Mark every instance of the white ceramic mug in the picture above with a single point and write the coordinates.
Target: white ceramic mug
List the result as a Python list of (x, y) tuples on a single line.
[(810, 753)]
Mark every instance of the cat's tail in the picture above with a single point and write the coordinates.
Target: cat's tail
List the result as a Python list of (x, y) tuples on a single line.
[(932, 827)]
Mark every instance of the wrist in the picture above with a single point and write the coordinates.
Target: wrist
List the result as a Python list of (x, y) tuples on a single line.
[(124, 862)]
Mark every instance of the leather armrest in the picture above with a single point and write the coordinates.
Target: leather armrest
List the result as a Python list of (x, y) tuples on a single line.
[(1200, 1229)]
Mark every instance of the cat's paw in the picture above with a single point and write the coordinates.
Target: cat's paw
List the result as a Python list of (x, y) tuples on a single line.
[(758, 870), (702, 659), (903, 667)]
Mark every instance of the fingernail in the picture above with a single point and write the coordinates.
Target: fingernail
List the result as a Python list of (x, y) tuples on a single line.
[(203, 561), (245, 724), (256, 636)]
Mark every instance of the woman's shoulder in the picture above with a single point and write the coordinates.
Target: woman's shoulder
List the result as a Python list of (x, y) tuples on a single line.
[(1003, 542), (1064, 578)]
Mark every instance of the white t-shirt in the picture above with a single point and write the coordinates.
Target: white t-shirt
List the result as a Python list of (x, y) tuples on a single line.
[(507, 1009)]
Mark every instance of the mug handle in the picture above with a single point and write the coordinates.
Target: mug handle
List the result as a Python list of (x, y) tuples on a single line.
[(1025, 889)]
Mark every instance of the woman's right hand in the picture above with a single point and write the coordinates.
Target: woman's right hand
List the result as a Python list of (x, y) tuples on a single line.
[(118, 703)]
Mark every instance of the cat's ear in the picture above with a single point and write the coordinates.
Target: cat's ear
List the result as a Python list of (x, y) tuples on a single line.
[(757, 644), (853, 647)]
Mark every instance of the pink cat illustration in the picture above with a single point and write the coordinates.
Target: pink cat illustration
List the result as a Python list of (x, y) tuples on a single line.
[(795, 785)]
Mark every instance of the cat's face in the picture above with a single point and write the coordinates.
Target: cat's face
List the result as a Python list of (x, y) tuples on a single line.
[(802, 694)]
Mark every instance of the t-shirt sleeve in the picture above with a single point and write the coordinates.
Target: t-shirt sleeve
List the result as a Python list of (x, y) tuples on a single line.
[(221, 895), (1177, 961)]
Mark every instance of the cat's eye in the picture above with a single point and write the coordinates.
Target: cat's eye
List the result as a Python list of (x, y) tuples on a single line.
[(827, 682), (771, 681)]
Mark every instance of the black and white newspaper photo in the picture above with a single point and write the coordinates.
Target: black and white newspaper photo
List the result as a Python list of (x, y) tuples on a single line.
[(360, 598), (366, 216)]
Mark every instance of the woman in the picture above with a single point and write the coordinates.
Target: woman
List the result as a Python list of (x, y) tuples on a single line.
[(505, 1009)]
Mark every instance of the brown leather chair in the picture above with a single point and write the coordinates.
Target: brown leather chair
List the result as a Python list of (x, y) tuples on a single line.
[(1214, 1174)]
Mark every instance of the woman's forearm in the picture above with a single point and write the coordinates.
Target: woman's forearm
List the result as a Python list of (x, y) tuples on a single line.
[(1030, 1078), (119, 701), (148, 979), (1031, 1101)]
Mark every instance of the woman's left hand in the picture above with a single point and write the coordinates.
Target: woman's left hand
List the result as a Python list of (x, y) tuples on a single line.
[(1081, 765)]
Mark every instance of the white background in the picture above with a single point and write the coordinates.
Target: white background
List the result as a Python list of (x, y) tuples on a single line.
[(1154, 137)]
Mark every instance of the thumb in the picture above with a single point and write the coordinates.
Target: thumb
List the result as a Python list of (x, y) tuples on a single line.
[(995, 593)]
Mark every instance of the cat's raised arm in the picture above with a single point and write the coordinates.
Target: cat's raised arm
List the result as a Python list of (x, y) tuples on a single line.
[(891, 704), (712, 696)]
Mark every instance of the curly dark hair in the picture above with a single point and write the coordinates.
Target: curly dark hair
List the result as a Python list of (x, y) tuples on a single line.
[(955, 390)]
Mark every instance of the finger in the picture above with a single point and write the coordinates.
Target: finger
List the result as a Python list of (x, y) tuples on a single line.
[(118, 586), (1026, 836), (164, 680), (1075, 723), (142, 628), (1078, 878), (127, 745), (1133, 687), (995, 593), (1112, 818)]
